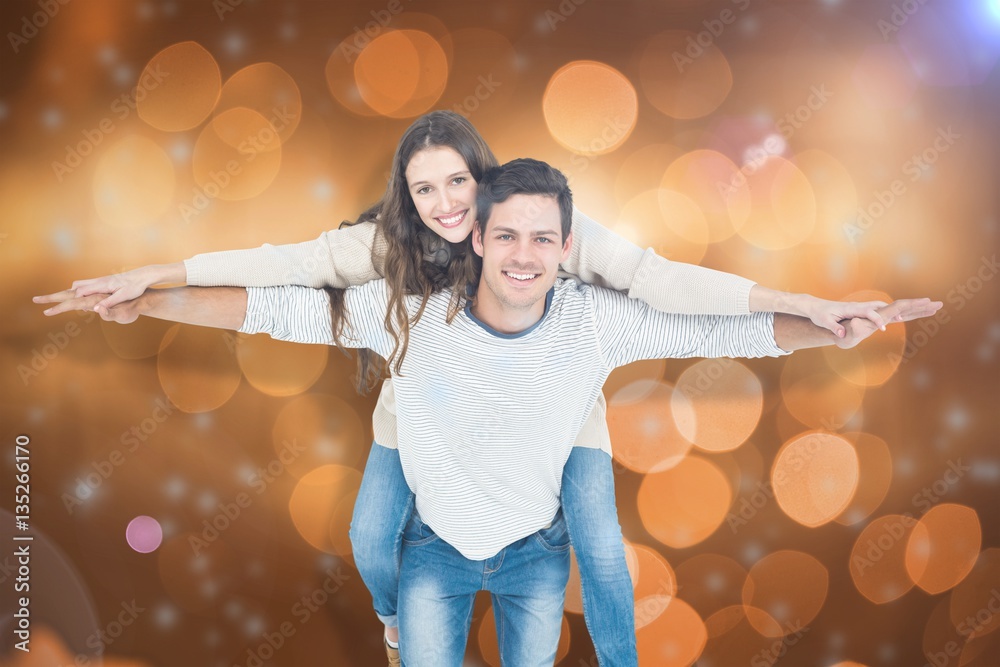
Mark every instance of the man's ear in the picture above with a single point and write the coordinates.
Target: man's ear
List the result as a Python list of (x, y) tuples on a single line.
[(567, 247), (477, 238)]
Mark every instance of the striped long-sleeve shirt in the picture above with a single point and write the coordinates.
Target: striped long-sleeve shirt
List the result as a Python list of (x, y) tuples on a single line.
[(487, 420)]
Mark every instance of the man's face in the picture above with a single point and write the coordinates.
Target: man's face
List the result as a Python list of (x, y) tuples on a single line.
[(521, 250)]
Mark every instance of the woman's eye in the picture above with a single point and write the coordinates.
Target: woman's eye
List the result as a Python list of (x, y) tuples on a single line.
[(459, 180), (424, 190)]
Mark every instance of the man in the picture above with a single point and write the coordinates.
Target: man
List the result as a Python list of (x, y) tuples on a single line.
[(527, 348)]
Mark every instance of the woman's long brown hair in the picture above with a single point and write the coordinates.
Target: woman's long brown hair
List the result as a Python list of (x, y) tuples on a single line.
[(414, 260)]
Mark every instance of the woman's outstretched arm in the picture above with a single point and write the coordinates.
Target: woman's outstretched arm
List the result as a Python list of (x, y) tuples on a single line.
[(338, 258), (601, 257)]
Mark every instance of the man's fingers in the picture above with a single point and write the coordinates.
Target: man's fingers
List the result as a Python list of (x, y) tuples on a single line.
[(55, 297)]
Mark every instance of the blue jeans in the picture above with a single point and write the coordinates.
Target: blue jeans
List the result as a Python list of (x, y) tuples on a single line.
[(385, 503), (526, 580)]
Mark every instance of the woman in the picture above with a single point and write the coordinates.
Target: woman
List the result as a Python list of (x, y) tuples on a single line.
[(416, 237)]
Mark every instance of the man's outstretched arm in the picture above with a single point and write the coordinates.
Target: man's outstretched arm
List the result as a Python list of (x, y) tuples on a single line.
[(218, 307)]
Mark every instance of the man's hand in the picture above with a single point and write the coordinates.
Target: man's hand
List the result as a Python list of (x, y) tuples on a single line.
[(67, 300), (903, 310)]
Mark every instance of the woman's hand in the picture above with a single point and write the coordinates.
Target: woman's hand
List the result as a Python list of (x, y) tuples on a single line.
[(67, 300), (126, 286), (903, 310), (830, 314)]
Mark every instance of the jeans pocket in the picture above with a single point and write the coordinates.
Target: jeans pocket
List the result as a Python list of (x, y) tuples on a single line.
[(416, 532), (556, 536)]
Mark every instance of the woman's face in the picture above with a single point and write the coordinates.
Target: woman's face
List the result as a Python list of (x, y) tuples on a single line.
[(443, 192)]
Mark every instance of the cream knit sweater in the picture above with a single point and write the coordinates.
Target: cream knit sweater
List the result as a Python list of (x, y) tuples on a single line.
[(352, 256)]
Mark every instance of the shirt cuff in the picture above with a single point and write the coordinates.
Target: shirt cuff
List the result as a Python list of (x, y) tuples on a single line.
[(257, 318)]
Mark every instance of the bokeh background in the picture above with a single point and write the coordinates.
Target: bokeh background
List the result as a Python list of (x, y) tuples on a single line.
[(191, 489)]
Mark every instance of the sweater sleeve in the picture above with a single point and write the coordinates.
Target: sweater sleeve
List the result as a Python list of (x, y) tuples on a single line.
[(338, 258), (602, 258)]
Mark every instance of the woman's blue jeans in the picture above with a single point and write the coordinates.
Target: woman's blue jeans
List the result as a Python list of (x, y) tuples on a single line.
[(385, 503)]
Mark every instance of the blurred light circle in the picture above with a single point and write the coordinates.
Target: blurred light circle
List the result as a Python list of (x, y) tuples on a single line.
[(711, 582), (814, 477), (270, 91), (197, 367), (875, 475), (943, 547), (589, 107), (179, 87), (734, 640), (675, 638), (873, 361), (717, 404), (633, 382), (144, 534), (878, 557), (314, 501), (644, 222), (133, 183), (280, 368), (643, 169), (138, 340), (401, 73), (237, 156), (655, 585), (644, 436), (682, 506), (782, 206), (682, 78), (790, 587), (975, 601), (320, 429), (941, 641), (815, 396), (716, 186)]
